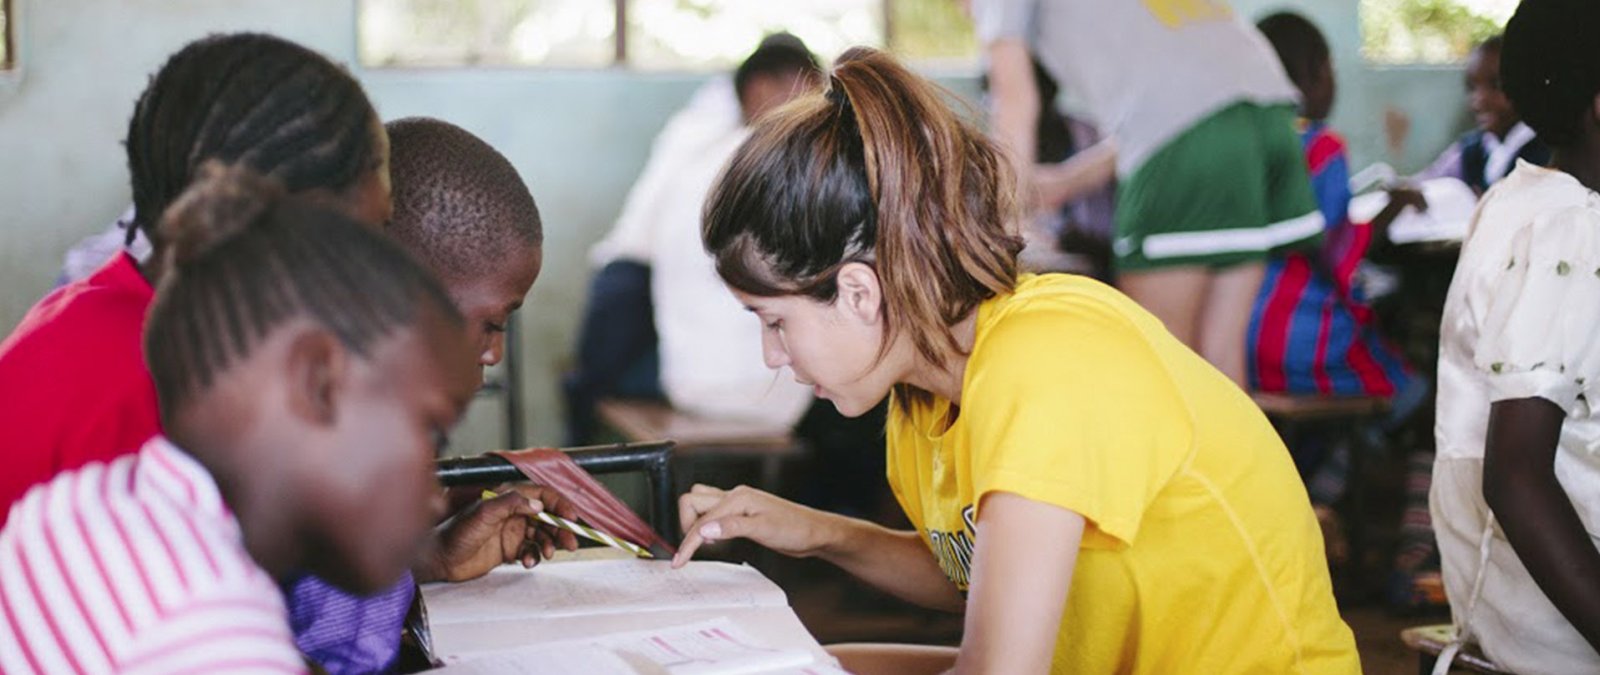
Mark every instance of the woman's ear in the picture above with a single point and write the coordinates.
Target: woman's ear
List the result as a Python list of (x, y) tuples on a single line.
[(317, 365), (860, 293)]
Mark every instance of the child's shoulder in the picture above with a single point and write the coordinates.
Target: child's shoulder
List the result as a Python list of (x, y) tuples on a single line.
[(80, 322)]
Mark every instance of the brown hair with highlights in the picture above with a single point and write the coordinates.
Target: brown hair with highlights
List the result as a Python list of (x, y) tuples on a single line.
[(876, 169)]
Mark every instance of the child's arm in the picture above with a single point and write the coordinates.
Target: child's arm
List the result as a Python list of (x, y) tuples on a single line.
[(896, 562), (1520, 486), (1020, 575), (1399, 199)]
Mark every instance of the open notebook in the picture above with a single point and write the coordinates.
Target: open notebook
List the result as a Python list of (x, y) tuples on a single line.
[(620, 616)]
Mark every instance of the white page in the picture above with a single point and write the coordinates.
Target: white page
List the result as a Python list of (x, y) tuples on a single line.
[(599, 587), (456, 642), (538, 661), (715, 647)]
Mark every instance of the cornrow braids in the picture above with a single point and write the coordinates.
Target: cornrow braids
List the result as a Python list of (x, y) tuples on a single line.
[(245, 260), (257, 100)]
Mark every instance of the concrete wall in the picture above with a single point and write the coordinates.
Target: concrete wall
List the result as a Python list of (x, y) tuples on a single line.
[(1433, 96)]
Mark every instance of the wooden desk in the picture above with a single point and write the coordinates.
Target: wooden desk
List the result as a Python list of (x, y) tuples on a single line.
[(700, 438)]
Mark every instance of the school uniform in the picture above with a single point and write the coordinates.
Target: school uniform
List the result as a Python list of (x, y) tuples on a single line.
[(1201, 553), (1480, 158)]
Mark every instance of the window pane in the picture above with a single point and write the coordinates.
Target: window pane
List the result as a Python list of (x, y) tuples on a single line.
[(554, 33), (717, 34), (1428, 31), (932, 31)]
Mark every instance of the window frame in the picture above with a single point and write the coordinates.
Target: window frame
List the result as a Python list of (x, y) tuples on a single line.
[(620, 60), (8, 36)]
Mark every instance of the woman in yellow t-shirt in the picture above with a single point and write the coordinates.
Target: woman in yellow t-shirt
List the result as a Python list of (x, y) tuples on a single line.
[(1092, 494)]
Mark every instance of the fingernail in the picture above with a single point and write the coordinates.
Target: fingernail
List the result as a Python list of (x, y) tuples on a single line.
[(535, 504), (711, 530)]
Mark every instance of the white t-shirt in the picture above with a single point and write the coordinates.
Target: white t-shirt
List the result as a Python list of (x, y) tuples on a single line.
[(1146, 69), (1522, 320), (710, 115), (710, 347)]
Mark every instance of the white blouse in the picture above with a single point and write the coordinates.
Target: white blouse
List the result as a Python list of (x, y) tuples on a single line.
[(1522, 320)]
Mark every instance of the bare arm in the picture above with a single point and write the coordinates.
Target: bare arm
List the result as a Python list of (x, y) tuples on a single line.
[(1021, 572), (1091, 169), (1520, 486), (1016, 105), (894, 561)]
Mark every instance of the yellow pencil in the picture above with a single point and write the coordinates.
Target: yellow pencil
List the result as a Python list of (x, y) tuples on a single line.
[(584, 531)]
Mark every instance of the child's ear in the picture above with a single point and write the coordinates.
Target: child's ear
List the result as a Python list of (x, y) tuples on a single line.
[(317, 364), (860, 293)]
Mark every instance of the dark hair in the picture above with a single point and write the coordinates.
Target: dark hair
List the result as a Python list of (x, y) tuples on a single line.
[(878, 170), (458, 203), (257, 100), (778, 54), (1493, 43), (1300, 46), (245, 260), (1550, 66)]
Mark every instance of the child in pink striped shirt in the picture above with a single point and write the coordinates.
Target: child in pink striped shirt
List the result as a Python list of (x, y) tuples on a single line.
[(307, 371)]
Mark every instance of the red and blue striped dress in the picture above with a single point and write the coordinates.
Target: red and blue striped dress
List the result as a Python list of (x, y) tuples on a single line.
[(1311, 331)]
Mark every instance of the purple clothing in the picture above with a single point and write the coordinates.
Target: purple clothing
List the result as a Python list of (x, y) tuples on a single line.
[(344, 633)]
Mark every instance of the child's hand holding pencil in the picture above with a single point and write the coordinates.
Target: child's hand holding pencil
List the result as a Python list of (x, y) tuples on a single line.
[(501, 528), (571, 527)]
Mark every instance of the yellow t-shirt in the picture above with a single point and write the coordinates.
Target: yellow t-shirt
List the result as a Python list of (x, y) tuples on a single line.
[(1201, 555)]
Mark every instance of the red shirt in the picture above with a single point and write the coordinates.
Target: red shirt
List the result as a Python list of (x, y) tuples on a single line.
[(74, 387)]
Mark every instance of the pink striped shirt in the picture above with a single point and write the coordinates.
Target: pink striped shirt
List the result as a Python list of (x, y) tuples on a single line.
[(136, 566)]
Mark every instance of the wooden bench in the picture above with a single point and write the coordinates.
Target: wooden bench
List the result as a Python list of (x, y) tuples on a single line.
[(1294, 408), (699, 438), (1429, 641)]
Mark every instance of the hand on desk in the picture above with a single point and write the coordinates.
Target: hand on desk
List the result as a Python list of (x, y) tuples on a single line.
[(492, 532)]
